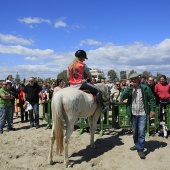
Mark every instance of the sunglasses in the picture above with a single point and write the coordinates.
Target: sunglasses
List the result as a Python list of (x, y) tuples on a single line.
[(54, 84), (4, 84), (117, 84), (133, 80)]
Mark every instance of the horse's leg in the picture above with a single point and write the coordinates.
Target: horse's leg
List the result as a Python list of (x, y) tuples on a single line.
[(93, 122), (50, 157), (91, 129), (69, 131)]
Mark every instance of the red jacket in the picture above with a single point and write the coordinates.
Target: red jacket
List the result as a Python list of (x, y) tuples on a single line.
[(20, 96), (77, 74), (163, 92)]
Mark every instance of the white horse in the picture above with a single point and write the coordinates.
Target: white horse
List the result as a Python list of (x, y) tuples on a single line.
[(67, 105)]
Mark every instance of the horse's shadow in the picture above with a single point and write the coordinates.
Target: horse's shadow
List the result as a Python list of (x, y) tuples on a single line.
[(153, 145), (103, 145), (106, 144)]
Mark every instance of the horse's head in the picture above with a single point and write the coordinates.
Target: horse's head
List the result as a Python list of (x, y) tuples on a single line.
[(105, 91)]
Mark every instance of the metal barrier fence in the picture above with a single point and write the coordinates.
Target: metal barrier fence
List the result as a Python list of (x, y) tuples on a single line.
[(115, 117)]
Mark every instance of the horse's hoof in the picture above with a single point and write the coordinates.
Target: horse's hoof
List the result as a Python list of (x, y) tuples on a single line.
[(69, 166), (50, 162)]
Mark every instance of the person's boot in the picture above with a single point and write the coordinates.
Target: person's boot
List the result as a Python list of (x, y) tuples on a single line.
[(100, 100)]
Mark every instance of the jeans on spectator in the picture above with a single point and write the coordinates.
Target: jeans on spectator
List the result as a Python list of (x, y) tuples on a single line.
[(5, 115), (35, 110), (8, 116), (12, 112), (138, 129), (2, 118), (23, 112)]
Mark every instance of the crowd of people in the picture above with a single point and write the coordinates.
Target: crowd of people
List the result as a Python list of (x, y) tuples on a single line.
[(24, 99), (139, 93)]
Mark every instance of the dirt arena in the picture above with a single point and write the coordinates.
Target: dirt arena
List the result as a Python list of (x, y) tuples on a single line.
[(27, 149)]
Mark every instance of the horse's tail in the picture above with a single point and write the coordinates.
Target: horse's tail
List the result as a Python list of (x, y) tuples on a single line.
[(57, 110)]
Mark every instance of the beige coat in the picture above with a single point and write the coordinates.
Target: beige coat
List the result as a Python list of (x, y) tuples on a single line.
[(115, 94)]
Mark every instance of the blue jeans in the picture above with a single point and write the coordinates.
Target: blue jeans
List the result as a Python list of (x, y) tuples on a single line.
[(13, 109), (35, 110), (138, 129), (5, 115)]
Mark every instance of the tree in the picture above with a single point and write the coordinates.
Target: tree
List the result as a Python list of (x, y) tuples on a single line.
[(17, 78), (48, 80), (123, 75), (146, 74), (62, 75), (24, 80), (158, 75), (38, 79), (131, 72), (112, 75)]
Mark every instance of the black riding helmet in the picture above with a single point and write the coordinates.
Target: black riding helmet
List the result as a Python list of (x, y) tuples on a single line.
[(81, 53)]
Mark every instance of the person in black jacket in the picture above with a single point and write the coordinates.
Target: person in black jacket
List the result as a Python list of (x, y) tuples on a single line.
[(32, 92), (13, 92), (151, 84)]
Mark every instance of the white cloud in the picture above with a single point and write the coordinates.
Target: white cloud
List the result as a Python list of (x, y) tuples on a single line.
[(90, 42), (137, 56), (30, 58), (35, 20), (60, 24), (75, 27), (20, 50), (6, 38), (31, 26), (47, 63)]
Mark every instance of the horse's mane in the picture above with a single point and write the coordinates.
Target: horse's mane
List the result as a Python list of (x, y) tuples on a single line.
[(99, 85)]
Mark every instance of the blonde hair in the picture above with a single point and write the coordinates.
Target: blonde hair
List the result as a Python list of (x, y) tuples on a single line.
[(74, 62)]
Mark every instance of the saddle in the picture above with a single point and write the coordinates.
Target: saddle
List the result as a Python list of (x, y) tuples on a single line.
[(90, 89), (86, 91)]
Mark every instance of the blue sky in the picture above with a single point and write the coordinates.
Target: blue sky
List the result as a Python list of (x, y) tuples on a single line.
[(39, 37)]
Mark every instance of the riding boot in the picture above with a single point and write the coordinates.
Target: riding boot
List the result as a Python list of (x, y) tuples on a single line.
[(100, 100)]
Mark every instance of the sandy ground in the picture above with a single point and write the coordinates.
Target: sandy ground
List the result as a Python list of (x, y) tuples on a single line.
[(27, 149)]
